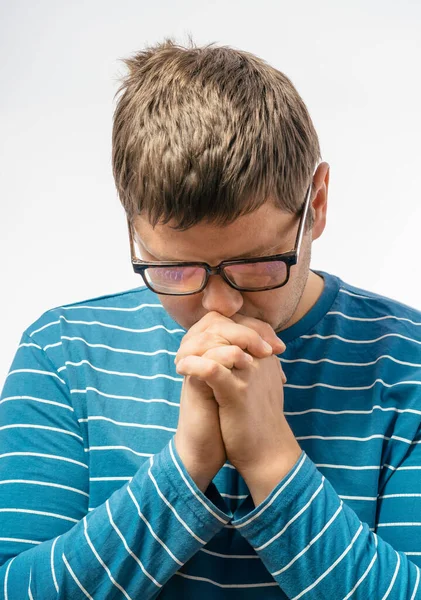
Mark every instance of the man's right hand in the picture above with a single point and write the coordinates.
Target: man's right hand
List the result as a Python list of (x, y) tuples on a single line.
[(198, 438)]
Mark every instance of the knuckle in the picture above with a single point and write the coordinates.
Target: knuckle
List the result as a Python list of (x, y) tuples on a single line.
[(213, 316), (237, 352), (212, 369)]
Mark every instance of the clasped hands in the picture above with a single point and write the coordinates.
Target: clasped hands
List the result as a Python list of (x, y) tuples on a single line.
[(231, 403)]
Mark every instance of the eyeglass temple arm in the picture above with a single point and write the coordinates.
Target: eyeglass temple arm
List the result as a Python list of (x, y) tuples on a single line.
[(132, 250), (300, 232)]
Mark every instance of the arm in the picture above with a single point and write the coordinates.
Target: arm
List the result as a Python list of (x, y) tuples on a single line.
[(313, 544), (50, 545)]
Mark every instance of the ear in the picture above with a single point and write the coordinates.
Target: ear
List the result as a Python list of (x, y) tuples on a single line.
[(319, 202)]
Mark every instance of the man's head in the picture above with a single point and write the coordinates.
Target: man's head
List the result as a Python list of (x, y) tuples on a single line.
[(213, 151)]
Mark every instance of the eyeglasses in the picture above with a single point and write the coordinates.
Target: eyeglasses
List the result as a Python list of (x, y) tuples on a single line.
[(177, 278)]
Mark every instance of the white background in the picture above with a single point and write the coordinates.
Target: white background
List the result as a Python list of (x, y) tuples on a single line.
[(62, 229)]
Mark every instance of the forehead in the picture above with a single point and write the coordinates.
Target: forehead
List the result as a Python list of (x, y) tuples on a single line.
[(267, 228)]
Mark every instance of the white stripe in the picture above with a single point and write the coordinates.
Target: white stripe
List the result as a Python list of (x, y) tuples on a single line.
[(304, 550), (92, 389), (41, 400), (371, 319), (338, 337), (48, 346), (44, 327), (352, 468), (192, 491), (112, 349), (30, 426), (354, 412), (234, 496), (402, 524), (393, 578), (95, 448), (32, 482), (53, 572), (76, 580), (366, 572), (170, 506), (417, 582), (39, 372), (108, 326), (41, 455), (228, 466), (227, 585), (38, 512), (26, 345), (6, 578), (30, 596), (101, 562), (343, 291), (370, 498), (122, 374), (354, 439), (400, 496), (414, 468), (120, 535), (348, 389), (131, 309), (149, 526), (219, 555), (124, 424), (21, 541), (332, 566), (413, 553), (348, 364), (111, 478), (281, 489), (294, 518)]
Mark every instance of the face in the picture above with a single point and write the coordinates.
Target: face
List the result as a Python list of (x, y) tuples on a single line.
[(267, 230)]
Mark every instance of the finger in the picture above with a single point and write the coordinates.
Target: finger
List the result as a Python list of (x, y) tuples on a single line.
[(265, 331), (230, 357), (204, 369), (222, 334)]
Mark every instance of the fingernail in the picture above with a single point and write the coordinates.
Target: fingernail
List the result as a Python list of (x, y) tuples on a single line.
[(248, 357), (267, 347)]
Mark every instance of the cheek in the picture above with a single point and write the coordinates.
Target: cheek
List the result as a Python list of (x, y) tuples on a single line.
[(185, 310)]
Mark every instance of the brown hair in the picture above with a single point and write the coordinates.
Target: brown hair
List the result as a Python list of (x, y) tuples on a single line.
[(209, 134)]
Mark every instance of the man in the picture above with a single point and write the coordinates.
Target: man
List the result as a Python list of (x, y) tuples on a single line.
[(242, 427)]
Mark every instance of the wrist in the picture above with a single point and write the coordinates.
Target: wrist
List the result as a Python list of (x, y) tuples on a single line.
[(202, 475), (263, 479)]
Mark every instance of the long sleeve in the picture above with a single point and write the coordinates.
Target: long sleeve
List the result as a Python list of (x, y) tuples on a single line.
[(51, 546), (316, 547)]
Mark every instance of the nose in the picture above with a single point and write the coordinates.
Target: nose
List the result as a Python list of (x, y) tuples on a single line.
[(221, 297)]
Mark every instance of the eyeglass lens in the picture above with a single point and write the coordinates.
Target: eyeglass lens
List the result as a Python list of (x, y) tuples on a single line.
[(182, 280)]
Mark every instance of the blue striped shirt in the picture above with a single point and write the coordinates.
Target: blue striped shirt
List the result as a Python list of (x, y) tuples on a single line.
[(96, 503)]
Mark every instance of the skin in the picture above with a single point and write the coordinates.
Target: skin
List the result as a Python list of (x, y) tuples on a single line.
[(231, 407)]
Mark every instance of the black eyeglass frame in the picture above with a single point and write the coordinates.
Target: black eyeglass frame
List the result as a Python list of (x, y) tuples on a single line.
[(289, 258)]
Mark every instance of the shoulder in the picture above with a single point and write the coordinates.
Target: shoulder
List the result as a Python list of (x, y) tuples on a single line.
[(125, 311), (359, 304)]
